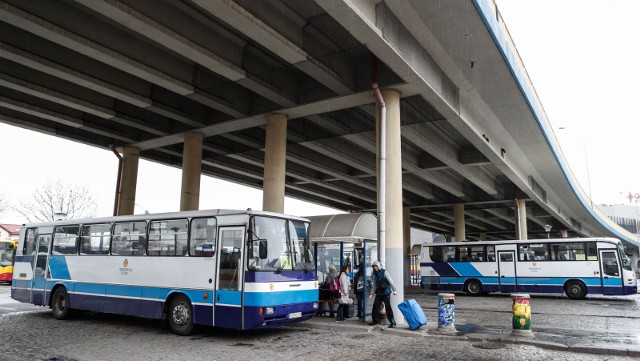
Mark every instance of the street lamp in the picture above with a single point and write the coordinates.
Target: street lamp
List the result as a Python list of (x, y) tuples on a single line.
[(547, 227)]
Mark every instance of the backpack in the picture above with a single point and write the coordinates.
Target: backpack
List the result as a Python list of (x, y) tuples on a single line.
[(334, 285), (359, 283), (383, 284)]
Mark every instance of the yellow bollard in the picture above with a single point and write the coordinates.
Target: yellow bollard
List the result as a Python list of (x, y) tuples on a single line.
[(521, 315)]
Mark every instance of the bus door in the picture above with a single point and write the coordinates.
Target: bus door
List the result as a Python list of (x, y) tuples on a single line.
[(40, 270), (507, 271), (227, 309), (610, 275)]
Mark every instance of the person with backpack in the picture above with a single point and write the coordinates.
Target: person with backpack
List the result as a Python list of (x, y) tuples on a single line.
[(343, 290), (332, 287), (383, 286)]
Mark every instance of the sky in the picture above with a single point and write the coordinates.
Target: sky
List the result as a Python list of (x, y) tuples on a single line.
[(580, 55), (582, 58)]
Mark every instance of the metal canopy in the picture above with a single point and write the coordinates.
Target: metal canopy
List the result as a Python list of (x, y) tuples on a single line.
[(348, 227)]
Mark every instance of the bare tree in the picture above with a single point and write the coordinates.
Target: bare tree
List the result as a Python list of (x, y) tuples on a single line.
[(58, 197), (4, 203)]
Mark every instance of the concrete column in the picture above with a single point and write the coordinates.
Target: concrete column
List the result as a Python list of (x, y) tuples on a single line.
[(275, 152), (127, 202), (191, 171), (521, 219), (406, 244), (483, 236), (393, 195), (458, 222)]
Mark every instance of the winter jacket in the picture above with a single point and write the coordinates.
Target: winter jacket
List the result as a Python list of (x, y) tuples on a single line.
[(377, 277)]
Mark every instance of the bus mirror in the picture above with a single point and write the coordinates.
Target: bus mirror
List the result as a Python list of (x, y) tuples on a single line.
[(259, 248), (262, 249)]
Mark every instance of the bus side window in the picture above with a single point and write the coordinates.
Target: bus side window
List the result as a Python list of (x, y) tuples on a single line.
[(29, 247)]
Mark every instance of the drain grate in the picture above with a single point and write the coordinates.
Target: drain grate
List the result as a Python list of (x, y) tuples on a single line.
[(489, 345)]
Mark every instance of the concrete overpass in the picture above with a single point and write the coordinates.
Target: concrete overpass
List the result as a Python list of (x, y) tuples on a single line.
[(478, 156)]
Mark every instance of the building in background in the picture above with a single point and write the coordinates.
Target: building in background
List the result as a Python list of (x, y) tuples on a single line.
[(10, 232), (626, 216)]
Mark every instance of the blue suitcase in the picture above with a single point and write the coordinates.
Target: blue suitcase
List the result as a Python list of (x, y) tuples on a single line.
[(413, 313)]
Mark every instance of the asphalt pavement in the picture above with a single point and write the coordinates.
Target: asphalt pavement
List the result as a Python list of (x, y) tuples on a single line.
[(584, 339), (475, 337)]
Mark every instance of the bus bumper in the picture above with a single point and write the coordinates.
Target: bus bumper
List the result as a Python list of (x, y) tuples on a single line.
[(258, 317)]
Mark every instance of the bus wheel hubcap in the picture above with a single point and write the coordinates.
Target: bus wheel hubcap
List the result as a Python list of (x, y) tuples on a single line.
[(180, 314), (61, 303)]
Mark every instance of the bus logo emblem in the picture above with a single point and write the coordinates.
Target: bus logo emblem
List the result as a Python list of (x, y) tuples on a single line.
[(271, 287), (125, 263)]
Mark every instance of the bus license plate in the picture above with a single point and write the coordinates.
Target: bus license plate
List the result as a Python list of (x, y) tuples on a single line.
[(295, 315)]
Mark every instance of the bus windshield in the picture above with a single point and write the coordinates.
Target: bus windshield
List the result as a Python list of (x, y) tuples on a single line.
[(626, 262), (7, 252), (287, 244)]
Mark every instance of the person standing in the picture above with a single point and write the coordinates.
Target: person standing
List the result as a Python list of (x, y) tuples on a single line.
[(359, 290), (383, 286), (344, 300)]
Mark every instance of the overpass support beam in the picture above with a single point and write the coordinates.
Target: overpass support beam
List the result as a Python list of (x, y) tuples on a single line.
[(394, 256), (521, 219), (458, 222), (275, 152), (406, 244), (191, 171), (127, 201)]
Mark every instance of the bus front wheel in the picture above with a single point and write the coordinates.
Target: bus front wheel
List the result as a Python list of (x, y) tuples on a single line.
[(575, 290), (181, 315), (60, 304), (473, 288)]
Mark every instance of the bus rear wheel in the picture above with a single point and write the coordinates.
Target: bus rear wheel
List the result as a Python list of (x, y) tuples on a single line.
[(181, 315), (60, 304), (473, 288), (575, 290)]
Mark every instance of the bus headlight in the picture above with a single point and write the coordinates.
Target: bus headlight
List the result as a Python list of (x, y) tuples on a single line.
[(315, 305), (268, 310)]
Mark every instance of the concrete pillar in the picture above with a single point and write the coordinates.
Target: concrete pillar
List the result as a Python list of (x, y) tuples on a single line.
[(406, 244), (127, 202), (521, 219), (191, 171), (458, 222), (275, 152), (393, 195), (483, 236)]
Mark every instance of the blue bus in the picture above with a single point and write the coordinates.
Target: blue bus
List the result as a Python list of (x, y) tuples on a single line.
[(224, 268), (576, 267)]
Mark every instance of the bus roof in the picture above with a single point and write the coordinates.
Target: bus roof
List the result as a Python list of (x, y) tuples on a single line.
[(523, 241), (153, 216)]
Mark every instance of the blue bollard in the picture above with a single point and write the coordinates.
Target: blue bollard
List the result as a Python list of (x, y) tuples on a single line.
[(446, 312)]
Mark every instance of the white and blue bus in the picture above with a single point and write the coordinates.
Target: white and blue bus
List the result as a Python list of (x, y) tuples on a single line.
[(223, 268), (576, 267)]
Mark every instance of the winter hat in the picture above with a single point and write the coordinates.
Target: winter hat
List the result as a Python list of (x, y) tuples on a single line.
[(375, 263)]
